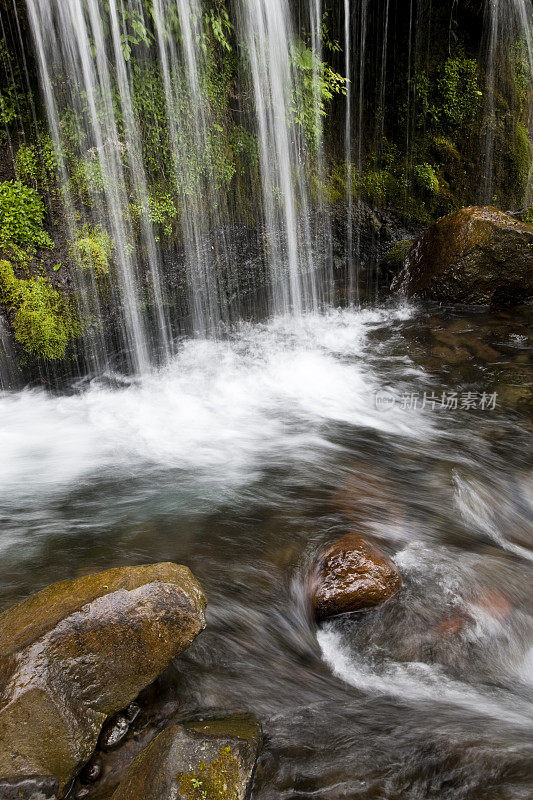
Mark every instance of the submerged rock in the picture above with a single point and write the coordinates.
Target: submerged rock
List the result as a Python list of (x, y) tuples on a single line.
[(80, 651), (207, 760), (478, 255), (352, 575)]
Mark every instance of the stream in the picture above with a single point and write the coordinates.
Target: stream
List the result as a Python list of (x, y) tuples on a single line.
[(242, 458)]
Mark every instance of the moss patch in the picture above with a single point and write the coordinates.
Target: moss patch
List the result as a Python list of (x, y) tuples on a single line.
[(93, 250), (217, 781), (43, 322)]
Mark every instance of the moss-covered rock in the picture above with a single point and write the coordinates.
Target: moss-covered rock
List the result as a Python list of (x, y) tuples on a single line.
[(203, 760), (44, 321), (478, 255), (78, 652)]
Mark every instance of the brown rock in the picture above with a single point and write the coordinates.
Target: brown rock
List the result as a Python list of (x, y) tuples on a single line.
[(213, 759), (78, 652), (352, 575), (478, 255)]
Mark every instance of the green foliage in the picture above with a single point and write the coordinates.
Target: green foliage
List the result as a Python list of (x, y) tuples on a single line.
[(449, 98), (162, 212), (426, 178), (217, 781), (43, 323), (217, 25), (528, 216), (21, 217), (36, 164), (8, 106), (459, 91), (318, 83), (93, 250), (86, 180)]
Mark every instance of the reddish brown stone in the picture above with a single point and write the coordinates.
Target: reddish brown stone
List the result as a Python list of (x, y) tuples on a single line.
[(352, 575)]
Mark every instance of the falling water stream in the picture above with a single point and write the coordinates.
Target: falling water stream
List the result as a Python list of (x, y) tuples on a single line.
[(508, 36)]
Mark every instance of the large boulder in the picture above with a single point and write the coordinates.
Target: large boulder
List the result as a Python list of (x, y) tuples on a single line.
[(79, 651), (352, 574), (208, 760), (476, 255)]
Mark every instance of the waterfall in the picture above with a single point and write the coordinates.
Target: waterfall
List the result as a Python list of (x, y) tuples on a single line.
[(508, 34), (75, 61), (182, 67), (92, 56), (348, 143), (268, 37)]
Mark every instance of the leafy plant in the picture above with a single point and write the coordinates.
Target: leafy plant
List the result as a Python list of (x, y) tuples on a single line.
[(316, 86), (21, 217)]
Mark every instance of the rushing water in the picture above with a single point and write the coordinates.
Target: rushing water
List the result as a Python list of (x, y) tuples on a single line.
[(242, 458)]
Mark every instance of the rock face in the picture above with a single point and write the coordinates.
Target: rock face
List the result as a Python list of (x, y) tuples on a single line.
[(78, 652), (209, 760), (352, 575), (476, 255)]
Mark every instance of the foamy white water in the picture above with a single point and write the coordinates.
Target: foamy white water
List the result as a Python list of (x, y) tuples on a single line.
[(221, 410)]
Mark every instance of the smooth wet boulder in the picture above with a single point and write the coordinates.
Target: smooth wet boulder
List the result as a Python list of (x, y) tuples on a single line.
[(478, 255), (352, 574), (207, 760), (80, 651)]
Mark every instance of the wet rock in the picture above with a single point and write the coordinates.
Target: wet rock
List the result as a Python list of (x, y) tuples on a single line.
[(352, 575), (212, 759), (114, 732), (79, 651), (29, 789), (91, 771), (478, 255), (393, 261)]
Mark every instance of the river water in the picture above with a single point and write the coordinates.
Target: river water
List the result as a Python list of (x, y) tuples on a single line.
[(242, 458)]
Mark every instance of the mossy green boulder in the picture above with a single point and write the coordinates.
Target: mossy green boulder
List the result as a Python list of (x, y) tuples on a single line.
[(205, 760), (79, 651), (477, 255)]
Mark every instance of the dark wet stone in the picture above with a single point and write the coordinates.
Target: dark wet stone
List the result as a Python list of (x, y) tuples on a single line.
[(80, 651), (29, 789), (91, 771), (114, 732), (212, 759), (352, 575), (478, 255)]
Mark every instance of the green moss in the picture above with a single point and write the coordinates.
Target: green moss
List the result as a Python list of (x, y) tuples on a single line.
[(217, 781), (21, 217), (520, 157), (93, 250), (43, 322), (528, 216), (394, 259)]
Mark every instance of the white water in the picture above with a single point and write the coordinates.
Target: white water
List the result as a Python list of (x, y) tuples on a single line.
[(502, 647), (220, 411), (268, 35)]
